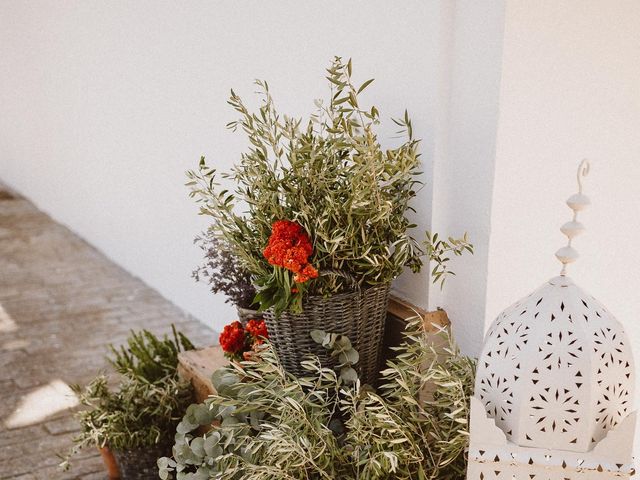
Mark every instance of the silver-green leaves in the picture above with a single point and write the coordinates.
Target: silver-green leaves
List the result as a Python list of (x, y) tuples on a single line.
[(323, 427), (340, 347)]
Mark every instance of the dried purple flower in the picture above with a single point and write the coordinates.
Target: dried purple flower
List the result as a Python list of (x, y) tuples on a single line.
[(223, 272)]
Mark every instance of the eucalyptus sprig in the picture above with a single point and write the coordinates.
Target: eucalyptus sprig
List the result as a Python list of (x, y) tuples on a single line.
[(340, 347)]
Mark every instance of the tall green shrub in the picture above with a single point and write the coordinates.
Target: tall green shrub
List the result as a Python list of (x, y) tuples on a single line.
[(331, 175)]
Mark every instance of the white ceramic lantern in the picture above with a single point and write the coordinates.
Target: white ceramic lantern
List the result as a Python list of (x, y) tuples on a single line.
[(554, 386)]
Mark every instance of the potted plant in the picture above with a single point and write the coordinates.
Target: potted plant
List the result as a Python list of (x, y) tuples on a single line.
[(225, 274), (318, 218), (136, 420)]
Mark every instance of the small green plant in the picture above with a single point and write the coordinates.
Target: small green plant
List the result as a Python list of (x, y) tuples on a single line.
[(274, 426), (148, 402)]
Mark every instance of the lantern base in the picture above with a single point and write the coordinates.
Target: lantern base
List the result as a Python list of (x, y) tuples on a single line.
[(493, 457)]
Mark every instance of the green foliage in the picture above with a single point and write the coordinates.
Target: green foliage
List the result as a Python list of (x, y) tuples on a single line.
[(331, 175), (149, 358), (275, 426), (148, 402), (418, 426), (438, 250)]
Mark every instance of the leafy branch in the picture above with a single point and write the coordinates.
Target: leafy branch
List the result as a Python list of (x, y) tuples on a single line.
[(439, 252)]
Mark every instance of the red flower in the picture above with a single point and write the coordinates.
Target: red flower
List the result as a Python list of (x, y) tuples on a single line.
[(233, 338), (257, 329), (290, 247), (305, 274)]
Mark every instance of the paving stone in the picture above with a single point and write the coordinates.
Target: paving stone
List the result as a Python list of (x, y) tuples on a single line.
[(19, 435), (62, 425), (66, 302), (94, 476)]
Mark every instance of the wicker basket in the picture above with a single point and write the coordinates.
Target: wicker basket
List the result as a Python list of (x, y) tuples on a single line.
[(246, 314), (360, 315)]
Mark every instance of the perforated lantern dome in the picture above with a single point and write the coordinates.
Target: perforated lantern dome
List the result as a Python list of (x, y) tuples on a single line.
[(556, 370), (554, 386)]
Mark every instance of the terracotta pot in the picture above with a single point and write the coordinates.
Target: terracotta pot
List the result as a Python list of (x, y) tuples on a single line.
[(140, 463), (109, 463)]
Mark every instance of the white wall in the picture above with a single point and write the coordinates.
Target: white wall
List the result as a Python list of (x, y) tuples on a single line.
[(570, 89), (464, 164), (104, 105)]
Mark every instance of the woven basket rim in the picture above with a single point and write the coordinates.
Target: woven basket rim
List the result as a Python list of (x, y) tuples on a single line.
[(336, 296)]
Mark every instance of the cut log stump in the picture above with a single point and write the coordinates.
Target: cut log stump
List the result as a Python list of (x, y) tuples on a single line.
[(197, 366)]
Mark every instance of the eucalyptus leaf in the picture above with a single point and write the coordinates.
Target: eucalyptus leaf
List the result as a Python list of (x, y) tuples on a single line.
[(348, 375), (349, 357), (318, 336), (223, 379), (197, 447)]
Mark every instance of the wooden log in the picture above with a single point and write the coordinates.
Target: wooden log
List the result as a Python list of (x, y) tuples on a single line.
[(197, 366), (402, 310), (399, 311)]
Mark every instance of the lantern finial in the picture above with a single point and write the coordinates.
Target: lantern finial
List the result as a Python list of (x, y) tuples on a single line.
[(576, 202)]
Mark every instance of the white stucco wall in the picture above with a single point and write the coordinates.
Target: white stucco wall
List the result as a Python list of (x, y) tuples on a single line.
[(570, 89), (464, 160), (104, 105)]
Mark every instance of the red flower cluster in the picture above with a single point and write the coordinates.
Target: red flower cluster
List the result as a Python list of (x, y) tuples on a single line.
[(290, 247), (257, 329), (237, 340), (233, 338)]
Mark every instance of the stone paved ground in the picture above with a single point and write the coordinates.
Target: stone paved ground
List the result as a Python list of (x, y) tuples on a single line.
[(61, 303)]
